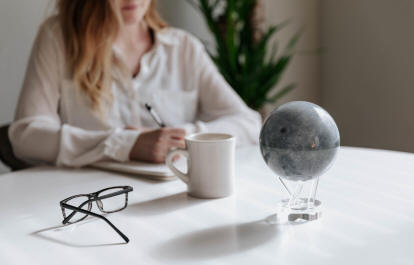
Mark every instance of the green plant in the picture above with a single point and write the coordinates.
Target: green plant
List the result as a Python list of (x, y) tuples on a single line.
[(241, 55)]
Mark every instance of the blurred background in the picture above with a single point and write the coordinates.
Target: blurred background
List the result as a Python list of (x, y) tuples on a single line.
[(355, 59)]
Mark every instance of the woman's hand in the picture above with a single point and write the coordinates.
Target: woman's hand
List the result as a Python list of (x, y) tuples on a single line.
[(152, 146)]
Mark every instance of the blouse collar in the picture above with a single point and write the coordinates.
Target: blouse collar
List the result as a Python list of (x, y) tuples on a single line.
[(164, 37)]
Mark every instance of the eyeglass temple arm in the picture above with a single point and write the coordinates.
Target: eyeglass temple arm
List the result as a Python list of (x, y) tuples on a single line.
[(66, 220)]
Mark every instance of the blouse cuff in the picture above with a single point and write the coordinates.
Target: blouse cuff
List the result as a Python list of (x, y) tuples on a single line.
[(119, 144), (196, 127)]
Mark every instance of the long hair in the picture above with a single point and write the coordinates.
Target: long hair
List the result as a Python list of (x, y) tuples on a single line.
[(89, 29)]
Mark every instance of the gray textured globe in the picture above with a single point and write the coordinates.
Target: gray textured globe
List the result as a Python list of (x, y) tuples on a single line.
[(299, 141)]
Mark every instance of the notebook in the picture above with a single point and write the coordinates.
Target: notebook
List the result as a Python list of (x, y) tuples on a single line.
[(141, 169)]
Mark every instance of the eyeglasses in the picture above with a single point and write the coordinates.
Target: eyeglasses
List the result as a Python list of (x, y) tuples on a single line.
[(77, 208)]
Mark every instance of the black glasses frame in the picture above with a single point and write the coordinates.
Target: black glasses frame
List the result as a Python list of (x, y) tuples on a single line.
[(94, 197)]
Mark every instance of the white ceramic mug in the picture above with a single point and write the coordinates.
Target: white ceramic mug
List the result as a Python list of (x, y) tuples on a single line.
[(210, 164)]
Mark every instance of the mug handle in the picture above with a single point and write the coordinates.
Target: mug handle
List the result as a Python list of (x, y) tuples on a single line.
[(170, 155)]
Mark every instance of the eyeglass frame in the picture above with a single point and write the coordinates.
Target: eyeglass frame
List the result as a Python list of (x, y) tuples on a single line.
[(93, 197)]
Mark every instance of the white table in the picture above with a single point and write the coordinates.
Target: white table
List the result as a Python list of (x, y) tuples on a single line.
[(368, 217)]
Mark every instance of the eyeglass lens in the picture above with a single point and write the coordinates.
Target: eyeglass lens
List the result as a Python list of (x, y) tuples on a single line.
[(112, 204)]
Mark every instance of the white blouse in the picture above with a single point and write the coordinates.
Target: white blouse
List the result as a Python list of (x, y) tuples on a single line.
[(54, 121)]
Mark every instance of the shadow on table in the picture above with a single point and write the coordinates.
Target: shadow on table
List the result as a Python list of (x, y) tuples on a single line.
[(162, 205), (54, 234), (216, 242)]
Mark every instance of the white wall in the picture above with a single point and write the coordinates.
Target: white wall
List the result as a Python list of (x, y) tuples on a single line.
[(305, 68), (179, 13), (368, 71), (19, 20)]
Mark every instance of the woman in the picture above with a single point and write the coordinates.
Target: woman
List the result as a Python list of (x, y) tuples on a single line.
[(93, 68)]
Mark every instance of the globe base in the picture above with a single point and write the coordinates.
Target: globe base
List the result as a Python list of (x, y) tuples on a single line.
[(302, 211), (301, 206), (302, 214)]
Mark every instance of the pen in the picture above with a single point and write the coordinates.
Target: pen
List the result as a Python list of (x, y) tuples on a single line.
[(154, 115)]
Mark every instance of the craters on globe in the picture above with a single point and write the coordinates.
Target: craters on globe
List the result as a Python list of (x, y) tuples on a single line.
[(299, 141)]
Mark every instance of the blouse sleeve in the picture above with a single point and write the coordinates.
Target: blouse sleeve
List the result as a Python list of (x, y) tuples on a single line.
[(38, 135), (220, 108)]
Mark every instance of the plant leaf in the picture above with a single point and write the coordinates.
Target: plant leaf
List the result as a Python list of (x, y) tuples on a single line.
[(245, 62)]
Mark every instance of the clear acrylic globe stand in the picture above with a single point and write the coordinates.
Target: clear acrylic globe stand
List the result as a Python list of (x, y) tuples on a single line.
[(301, 205)]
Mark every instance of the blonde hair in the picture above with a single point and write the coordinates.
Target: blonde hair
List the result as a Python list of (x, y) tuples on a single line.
[(89, 29)]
